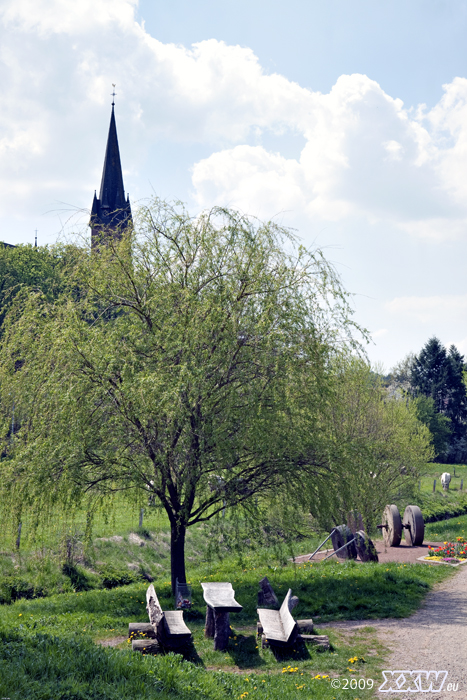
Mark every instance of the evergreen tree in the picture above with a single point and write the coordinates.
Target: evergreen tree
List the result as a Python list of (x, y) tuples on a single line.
[(456, 408), (438, 425), (439, 375), (430, 373)]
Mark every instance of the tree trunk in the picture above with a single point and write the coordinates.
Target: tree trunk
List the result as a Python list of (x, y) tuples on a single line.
[(177, 554)]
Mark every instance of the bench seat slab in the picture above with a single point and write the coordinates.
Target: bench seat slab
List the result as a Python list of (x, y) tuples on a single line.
[(220, 597)]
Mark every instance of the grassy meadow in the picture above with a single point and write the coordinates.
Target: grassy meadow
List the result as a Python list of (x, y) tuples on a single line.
[(49, 648), (64, 635), (434, 471)]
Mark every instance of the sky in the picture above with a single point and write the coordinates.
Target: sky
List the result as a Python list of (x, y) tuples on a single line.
[(345, 120)]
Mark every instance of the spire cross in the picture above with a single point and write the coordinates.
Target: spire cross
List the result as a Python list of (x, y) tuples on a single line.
[(113, 94)]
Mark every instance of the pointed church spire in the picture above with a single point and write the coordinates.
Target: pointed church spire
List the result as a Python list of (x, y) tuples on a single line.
[(111, 212)]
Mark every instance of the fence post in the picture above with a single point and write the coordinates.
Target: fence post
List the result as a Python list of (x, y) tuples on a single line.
[(141, 515), (434, 485), (462, 484)]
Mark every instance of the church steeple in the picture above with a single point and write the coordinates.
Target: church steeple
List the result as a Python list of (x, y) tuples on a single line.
[(111, 212)]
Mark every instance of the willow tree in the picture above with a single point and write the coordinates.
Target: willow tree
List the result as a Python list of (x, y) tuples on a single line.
[(374, 447), (185, 361)]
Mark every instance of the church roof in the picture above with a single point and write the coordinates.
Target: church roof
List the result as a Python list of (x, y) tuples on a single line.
[(112, 194), (110, 212)]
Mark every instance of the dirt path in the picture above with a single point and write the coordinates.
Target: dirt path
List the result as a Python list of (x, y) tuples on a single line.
[(432, 639), (404, 553)]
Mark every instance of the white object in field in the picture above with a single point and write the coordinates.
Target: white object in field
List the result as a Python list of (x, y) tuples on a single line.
[(445, 479)]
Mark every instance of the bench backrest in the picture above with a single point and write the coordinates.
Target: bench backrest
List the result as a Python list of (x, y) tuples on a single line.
[(153, 606), (288, 623)]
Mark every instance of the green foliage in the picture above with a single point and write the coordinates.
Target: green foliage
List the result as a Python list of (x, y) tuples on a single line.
[(371, 448), (111, 577), (438, 424), (190, 367), (430, 372), (79, 578), (13, 587), (439, 376), (437, 507), (24, 269)]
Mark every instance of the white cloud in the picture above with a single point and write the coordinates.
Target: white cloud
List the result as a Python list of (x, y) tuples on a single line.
[(379, 333), (364, 154), (430, 309), (247, 176), (48, 17)]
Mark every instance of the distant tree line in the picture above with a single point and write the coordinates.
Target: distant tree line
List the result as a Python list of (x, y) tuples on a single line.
[(435, 378)]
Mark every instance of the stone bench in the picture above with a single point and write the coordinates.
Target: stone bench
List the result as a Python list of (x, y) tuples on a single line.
[(279, 627), (220, 602), (165, 629)]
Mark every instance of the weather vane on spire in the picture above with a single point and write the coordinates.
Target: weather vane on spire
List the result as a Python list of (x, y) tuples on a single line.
[(113, 94)]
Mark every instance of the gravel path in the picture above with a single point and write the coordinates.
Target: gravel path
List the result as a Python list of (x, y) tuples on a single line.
[(433, 639)]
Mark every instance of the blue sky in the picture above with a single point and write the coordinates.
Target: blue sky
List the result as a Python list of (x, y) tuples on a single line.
[(346, 120)]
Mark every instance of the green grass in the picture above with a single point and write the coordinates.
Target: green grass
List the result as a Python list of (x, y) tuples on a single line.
[(121, 558), (121, 516), (48, 645), (447, 530), (440, 504), (434, 471), (46, 669), (51, 647)]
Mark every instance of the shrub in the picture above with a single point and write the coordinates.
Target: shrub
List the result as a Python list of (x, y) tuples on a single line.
[(111, 577), (13, 587)]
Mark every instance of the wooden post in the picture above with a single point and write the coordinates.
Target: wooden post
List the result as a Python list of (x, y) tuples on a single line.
[(454, 471), (18, 539), (434, 485), (141, 515), (462, 484), (210, 625), (222, 631)]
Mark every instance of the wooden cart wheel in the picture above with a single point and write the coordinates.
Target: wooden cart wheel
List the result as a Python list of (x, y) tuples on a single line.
[(339, 537), (392, 526), (365, 547), (414, 527)]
